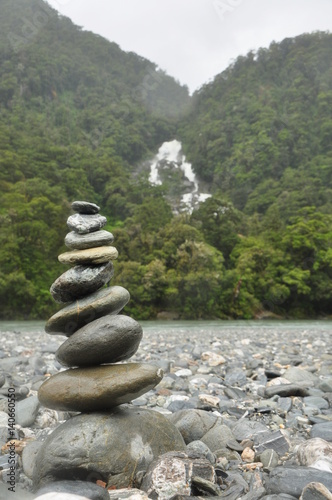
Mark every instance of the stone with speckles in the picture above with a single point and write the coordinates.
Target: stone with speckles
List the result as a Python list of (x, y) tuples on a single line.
[(113, 446)]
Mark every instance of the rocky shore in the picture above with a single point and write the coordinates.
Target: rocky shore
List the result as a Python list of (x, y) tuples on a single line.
[(253, 406)]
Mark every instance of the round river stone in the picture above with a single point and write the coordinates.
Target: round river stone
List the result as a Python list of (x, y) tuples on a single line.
[(96, 255), (83, 224), (106, 340), (85, 207), (81, 312), (98, 388), (110, 446), (81, 241), (80, 281)]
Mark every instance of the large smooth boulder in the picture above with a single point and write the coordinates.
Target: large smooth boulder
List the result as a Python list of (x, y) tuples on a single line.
[(98, 388), (111, 446)]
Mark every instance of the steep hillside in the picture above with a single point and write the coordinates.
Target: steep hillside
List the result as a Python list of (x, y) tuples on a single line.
[(79, 118), (261, 132), (76, 114)]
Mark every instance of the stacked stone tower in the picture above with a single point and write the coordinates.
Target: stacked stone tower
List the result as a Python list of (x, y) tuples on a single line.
[(109, 440), (98, 335)]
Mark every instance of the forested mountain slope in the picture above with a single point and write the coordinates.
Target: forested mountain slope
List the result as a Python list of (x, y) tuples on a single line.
[(261, 132), (76, 114), (77, 118)]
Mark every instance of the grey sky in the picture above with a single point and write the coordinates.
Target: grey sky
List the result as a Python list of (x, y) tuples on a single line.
[(193, 40)]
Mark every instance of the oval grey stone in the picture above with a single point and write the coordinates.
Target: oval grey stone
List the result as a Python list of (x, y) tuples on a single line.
[(80, 281), (193, 424), (292, 480), (98, 388), (217, 437), (323, 431), (106, 340), (76, 241), (81, 312), (95, 255), (112, 446), (85, 207), (85, 223)]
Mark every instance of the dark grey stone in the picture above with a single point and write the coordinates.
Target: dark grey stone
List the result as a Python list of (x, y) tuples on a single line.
[(85, 489), (99, 238), (80, 281), (318, 402), (235, 393), (85, 207), (193, 424), (325, 385), (292, 480), (237, 378), (217, 437), (106, 340), (285, 404), (110, 446), (84, 224), (29, 457), (269, 458), (198, 449), (68, 320), (247, 429), (323, 430), (286, 390), (26, 411), (271, 440), (2, 379), (301, 377), (316, 491)]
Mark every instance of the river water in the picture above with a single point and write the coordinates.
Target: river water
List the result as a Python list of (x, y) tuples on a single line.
[(216, 327)]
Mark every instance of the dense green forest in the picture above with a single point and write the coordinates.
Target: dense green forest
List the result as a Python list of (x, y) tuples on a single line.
[(78, 118)]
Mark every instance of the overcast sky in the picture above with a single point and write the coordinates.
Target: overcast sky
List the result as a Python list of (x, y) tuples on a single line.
[(194, 40)]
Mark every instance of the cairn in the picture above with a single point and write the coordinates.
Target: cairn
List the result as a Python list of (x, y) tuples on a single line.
[(105, 437), (93, 380)]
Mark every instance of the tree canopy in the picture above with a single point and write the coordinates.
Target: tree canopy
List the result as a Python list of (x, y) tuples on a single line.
[(78, 119)]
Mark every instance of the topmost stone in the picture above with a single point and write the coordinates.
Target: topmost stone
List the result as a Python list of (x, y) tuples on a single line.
[(84, 207)]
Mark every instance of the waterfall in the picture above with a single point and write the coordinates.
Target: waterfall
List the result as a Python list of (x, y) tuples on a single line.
[(170, 157)]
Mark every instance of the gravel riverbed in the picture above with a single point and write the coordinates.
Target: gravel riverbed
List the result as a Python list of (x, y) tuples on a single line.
[(253, 401)]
